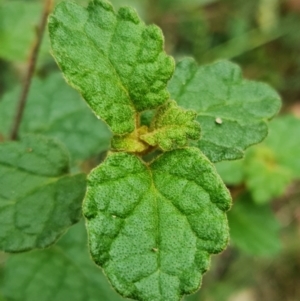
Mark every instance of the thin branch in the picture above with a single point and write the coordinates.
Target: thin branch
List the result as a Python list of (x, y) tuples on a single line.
[(30, 70)]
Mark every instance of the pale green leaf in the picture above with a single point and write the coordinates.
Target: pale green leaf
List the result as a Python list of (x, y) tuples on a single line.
[(232, 111), (114, 60), (283, 140), (254, 229), (272, 166), (269, 168), (38, 199), (265, 177), (56, 110), (172, 127), (153, 228), (63, 273)]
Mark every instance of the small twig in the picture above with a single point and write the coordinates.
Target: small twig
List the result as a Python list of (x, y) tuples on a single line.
[(30, 70)]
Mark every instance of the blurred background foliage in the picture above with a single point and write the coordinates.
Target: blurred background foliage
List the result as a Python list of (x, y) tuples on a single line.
[(262, 261)]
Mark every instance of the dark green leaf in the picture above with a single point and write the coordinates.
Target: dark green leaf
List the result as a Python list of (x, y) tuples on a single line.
[(56, 110), (38, 199), (232, 111), (62, 273), (153, 228)]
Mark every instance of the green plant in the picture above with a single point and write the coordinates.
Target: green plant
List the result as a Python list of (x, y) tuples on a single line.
[(155, 209)]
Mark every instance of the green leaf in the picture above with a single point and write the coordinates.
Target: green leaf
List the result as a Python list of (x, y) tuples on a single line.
[(56, 110), (18, 22), (232, 111), (140, 5), (146, 117), (231, 172), (282, 140), (172, 127), (253, 228), (265, 177), (64, 272), (114, 60), (270, 167), (153, 228), (131, 142), (38, 199)]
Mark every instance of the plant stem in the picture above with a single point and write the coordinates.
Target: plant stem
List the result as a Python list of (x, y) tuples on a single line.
[(30, 69)]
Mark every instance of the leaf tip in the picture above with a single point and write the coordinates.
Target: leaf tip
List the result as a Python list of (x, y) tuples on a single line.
[(129, 14), (103, 3)]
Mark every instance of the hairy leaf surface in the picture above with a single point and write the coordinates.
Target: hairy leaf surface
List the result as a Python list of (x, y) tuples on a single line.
[(232, 111), (172, 127), (56, 110), (153, 228), (114, 60), (64, 272), (38, 199), (131, 142)]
